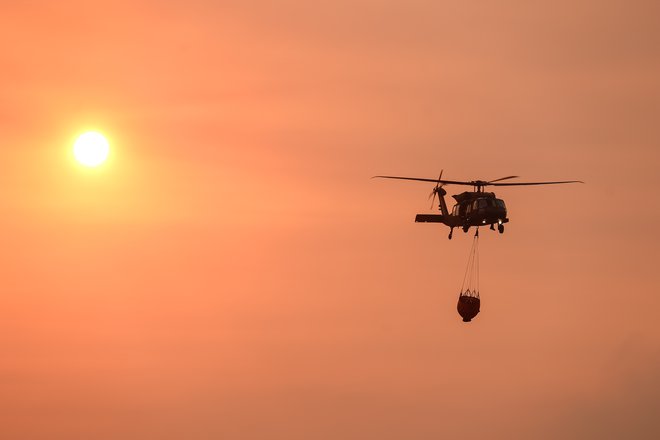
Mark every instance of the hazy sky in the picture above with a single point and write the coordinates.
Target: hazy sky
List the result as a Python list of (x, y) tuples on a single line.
[(233, 272)]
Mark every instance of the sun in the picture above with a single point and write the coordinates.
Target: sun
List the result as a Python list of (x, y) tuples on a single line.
[(91, 149)]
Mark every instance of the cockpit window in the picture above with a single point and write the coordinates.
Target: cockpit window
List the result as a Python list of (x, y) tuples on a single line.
[(500, 203)]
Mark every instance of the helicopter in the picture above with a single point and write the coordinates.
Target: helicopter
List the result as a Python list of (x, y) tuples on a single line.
[(472, 208)]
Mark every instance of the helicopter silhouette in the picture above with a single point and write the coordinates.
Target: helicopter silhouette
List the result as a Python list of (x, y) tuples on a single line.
[(472, 208)]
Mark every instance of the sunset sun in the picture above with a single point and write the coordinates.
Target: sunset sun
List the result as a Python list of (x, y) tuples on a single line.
[(91, 149)]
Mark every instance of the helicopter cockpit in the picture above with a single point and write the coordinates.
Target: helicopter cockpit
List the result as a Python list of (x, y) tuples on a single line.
[(486, 207)]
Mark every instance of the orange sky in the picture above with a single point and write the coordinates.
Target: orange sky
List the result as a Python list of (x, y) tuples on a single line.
[(232, 272)]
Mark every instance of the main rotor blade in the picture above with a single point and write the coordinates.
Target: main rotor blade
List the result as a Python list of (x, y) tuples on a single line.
[(477, 182), (535, 183), (503, 178), (419, 179)]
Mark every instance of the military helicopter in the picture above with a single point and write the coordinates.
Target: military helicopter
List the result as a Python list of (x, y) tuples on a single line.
[(472, 208)]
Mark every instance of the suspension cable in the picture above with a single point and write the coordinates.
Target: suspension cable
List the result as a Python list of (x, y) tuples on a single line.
[(476, 257), (472, 270)]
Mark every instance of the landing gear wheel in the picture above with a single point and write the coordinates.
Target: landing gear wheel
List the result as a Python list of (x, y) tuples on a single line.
[(451, 232), (500, 228), (465, 228)]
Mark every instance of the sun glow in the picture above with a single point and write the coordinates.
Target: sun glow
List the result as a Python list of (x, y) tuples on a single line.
[(91, 149)]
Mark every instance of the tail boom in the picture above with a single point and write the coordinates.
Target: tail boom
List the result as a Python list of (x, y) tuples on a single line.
[(430, 218)]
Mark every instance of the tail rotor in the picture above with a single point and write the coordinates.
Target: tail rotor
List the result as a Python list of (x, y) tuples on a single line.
[(437, 189)]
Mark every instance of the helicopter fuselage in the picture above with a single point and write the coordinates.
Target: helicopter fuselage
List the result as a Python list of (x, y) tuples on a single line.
[(473, 208)]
